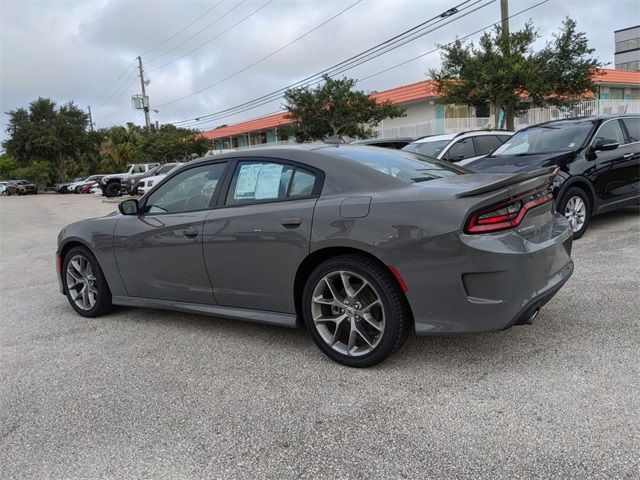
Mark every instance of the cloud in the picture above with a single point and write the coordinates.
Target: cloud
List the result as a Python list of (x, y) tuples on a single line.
[(76, 50)]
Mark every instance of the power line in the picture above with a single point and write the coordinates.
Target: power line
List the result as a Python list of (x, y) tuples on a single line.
[(388, 45), (450, 43), (217, 118), (398, 64), (131, 63), (153, 59), (214, 38), (263, 58), (182, 29)]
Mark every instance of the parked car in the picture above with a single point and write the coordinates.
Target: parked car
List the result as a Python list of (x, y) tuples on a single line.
[(397, 143), (63, 187), (144, 184), (400, 243), (598, 160), (460, 148), (75, 186), (119, 183), (87, 187), (3, 187), (23, 187)]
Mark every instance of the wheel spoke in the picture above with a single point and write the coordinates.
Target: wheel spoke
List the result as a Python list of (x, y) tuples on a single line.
[(360, 289), (372, 321), (367, 308), (325, 301), (332, 290), (348, 289), (361, 333)]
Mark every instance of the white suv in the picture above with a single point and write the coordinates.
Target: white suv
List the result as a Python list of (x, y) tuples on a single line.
[(459, 148), (147, 183)]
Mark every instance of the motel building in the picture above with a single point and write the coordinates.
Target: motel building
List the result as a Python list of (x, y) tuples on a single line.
[(618, 91)]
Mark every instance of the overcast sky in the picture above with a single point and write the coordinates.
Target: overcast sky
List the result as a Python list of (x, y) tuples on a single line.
[(78, 50)]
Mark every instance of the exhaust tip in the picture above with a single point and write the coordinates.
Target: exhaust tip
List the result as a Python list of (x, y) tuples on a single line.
[(532, 317)]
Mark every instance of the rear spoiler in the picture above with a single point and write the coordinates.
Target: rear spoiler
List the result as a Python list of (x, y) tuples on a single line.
[(505, 182)]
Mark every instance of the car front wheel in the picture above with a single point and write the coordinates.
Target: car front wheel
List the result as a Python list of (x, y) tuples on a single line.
[(355, 311), (112, 190), (84, 283), (576, 207)]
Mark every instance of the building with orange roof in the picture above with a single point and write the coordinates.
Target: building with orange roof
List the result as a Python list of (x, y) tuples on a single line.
[(423, 113)]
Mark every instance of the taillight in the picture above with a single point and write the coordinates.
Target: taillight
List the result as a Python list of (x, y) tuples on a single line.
[(507, 214)]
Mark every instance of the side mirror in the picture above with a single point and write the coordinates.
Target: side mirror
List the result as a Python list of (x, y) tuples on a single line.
[(129, 207), (605, 144)]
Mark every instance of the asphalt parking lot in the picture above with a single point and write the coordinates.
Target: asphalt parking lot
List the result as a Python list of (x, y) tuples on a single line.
[(155, 394)]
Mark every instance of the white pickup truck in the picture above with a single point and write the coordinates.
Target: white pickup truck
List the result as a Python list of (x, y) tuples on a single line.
[(119, 183)]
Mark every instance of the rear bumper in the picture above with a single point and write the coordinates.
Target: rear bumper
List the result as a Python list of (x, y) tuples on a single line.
[(481, 283)]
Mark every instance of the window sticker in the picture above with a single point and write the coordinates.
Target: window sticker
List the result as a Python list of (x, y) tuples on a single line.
[(268, 184), (247, 179)]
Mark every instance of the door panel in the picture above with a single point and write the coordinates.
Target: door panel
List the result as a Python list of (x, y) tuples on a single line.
[(617, 170), (159, 251), (160, 256), (252, 252)]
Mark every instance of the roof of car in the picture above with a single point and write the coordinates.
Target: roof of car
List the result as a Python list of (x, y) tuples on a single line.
[(468, 133), (592, 118), (371, 141)]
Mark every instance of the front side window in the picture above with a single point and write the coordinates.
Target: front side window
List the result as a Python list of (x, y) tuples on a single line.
[(188, 191), (610, 131), (258, 182), (460, 150)]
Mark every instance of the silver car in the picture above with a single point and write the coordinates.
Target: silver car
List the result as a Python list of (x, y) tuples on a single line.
[(361, 245)]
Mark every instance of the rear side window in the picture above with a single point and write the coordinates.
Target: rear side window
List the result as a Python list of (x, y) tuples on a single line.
[(633, 127), (259, 182), (486, 144), (460, 150)]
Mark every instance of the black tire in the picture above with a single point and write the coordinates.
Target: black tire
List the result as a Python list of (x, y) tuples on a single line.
[(76, 190), (112, 189), (573, 193), (103, 303), (397, 315)]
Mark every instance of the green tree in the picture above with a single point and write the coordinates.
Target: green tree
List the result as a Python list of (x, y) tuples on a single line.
[(504, 68), (47, 133), (122, 145), (170, 143), (334, 108)]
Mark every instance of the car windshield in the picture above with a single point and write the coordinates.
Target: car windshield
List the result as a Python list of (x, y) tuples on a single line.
[(402, 165), (546, 139), (430, 149)]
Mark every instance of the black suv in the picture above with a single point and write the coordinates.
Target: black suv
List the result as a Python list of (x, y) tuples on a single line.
[(598, 158)]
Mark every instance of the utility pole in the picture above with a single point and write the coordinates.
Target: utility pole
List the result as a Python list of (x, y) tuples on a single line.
[(504, 17), (90, 118), (145, 99)]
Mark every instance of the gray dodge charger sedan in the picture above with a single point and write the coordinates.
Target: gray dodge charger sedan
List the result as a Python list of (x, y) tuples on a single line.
[(361, 245)]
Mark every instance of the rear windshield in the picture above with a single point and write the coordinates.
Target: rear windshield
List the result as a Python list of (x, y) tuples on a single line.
[(429, 149), (400, 164)]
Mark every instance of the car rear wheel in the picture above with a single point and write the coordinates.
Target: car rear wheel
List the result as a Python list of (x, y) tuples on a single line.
[(576, 207), (355, 311), (84, 283)]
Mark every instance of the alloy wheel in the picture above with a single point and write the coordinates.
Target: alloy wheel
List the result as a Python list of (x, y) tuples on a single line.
[(81, 282), (576, 212), (348, 313)]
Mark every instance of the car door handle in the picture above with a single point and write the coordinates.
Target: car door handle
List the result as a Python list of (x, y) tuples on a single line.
[(291, 221), (190, 232), (627, 155)]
